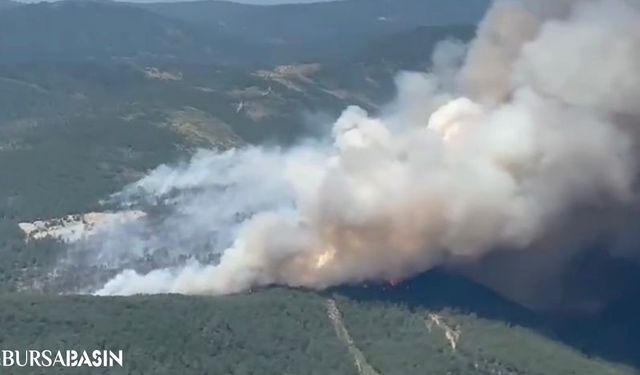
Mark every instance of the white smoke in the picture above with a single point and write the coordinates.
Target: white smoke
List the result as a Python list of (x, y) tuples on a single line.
[(542, 127)]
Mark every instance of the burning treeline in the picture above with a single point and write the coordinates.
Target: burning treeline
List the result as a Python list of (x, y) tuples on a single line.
[(538, 129)]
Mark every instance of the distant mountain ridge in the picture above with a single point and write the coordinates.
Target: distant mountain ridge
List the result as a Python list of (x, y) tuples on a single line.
[(323, 19), (302, 30), (213, 31), (84, 30)]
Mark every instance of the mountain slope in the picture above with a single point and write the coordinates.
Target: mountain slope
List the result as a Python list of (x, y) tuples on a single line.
[(323, 20), (80, 30), (280, 331), (304, 31), (88, 128), (214, 31)]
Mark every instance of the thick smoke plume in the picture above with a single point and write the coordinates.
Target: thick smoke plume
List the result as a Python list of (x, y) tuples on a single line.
[(538, 132)]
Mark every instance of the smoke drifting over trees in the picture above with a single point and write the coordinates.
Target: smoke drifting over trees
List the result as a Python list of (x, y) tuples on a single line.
[(535, 133)]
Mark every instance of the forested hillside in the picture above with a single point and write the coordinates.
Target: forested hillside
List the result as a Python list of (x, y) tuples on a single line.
[(281, 331)]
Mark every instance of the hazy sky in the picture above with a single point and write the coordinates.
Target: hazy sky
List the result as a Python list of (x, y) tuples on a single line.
[(263, 2), (240, 1)]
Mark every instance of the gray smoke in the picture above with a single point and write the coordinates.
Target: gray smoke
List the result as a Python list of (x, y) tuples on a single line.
[(535, 130)]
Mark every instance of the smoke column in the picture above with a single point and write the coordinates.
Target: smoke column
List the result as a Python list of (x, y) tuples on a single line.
[(538, 132)]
